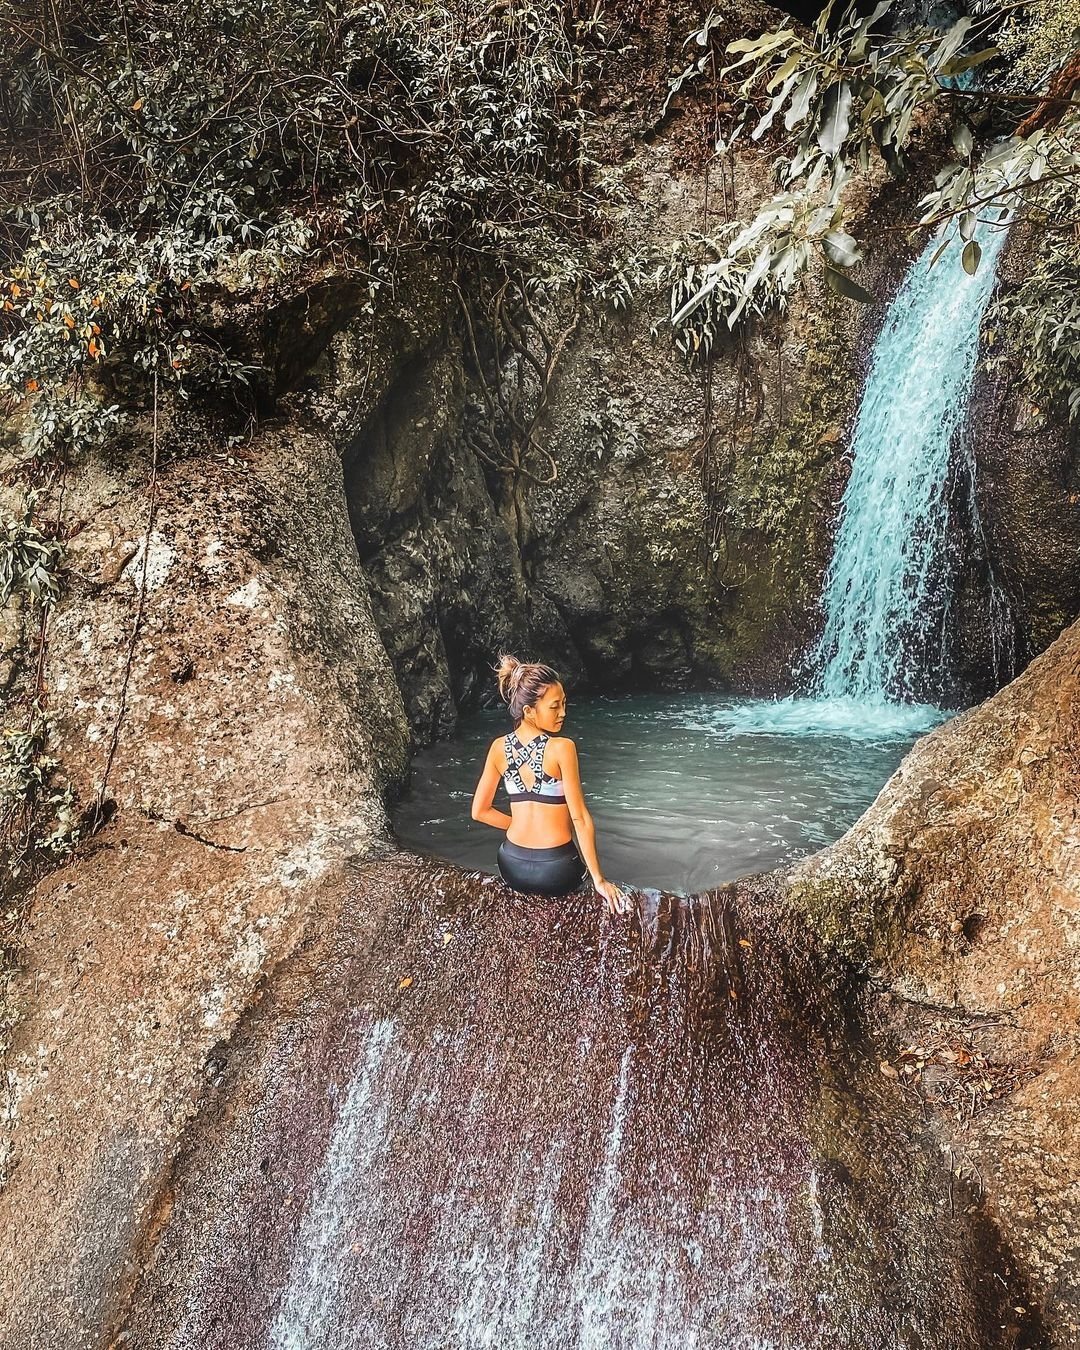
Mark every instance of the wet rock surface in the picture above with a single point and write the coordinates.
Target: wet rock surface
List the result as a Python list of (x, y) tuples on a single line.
[(464, 1113), (239, 779), (1027, 490)]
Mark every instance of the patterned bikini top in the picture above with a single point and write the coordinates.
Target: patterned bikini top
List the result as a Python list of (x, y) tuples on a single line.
[(545, 788)]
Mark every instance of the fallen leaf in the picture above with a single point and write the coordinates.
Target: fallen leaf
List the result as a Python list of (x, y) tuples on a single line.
[(405, 982), (887, 1069), (743, 942), (446, 938)]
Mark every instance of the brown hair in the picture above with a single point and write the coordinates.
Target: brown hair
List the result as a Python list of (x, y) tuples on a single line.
[(521, 683)]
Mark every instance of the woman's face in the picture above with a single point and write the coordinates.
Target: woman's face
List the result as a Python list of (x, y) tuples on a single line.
[(549, 710)]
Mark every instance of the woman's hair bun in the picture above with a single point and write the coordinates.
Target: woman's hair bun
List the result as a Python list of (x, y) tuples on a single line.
[(522, 682), (506, 669)]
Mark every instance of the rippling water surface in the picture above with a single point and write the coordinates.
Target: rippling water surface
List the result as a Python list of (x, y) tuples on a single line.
[(688, 790)]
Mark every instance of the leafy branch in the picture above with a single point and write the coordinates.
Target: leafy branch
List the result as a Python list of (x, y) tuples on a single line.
[(850, 94)]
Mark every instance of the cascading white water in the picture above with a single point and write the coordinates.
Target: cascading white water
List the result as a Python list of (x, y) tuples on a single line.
[(882, 596), (886, 589), (486, 1121)]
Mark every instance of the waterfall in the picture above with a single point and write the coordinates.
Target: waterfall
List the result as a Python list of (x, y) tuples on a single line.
[(887, 588), (884, 595)]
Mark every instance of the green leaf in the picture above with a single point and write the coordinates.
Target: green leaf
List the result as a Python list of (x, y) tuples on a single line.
[(951, 43), (777, 103), (846, 286), (841, 248), (835, 117), (971, 256), (969, 62), (940, 250), (756, 48), (823, 19), (962, 140), (789, 66), (800, 101)]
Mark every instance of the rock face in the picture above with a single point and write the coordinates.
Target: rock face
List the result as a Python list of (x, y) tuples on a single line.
[(625, 571), (1026, 463), (388, 392), (472, 1116), (961, 887), (241, 774)]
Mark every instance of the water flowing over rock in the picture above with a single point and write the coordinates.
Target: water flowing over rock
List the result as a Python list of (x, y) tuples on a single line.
[(486, 1119), (887, 587)]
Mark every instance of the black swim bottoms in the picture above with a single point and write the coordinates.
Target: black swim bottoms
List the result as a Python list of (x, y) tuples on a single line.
[(543, 871)]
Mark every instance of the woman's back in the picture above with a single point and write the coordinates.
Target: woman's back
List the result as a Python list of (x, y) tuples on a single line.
[(539, 814)]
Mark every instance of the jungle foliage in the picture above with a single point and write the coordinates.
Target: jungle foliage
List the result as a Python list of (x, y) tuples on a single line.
[(154, 149), (851, 99), (157, 157)]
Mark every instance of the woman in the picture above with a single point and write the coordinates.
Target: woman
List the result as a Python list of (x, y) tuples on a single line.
[(539, 769)]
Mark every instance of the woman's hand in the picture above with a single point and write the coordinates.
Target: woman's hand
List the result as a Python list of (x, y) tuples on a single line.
[(618, 901)]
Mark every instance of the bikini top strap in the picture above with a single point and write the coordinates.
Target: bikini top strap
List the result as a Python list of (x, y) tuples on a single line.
[(533, 754), (538, 760)]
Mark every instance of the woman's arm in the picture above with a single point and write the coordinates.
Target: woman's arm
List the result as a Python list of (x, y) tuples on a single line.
[(484, 796), (584, 828)]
